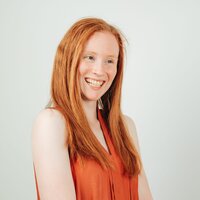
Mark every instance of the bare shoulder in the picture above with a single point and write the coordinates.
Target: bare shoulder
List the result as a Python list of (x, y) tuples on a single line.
[(49, 124), (49, 117), (143, 187), (51, 157), (129, 121), (130, 124)]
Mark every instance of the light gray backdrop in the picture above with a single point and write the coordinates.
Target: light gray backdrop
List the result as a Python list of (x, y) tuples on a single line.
[(160, 91)]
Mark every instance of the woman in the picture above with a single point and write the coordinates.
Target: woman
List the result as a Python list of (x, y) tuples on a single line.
[(83, 146)]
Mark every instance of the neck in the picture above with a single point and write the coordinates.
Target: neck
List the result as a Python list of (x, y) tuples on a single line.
[(89, 108)]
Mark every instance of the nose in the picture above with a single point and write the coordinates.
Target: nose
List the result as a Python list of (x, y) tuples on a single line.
[(98, 68)]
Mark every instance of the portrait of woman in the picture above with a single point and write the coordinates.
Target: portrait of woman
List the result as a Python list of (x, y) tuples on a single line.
[(83, 146)]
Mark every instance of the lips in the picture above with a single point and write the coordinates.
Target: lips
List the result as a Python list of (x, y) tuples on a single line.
[(94, 82)]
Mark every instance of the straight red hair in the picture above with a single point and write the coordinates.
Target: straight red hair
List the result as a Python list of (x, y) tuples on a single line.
[(66, 96)]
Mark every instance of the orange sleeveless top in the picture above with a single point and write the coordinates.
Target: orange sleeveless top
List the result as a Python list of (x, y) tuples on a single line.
[(92, 182)]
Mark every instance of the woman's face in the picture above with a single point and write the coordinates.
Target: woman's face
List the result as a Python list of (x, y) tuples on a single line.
[(98, 65)]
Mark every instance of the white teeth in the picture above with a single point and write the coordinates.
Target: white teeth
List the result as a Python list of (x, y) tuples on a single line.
[(94, 82)]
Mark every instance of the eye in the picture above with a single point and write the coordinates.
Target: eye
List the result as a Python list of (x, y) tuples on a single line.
[(89, 57), (110, 61)]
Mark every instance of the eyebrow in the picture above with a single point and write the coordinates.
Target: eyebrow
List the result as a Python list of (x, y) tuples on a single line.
[(92, 52)]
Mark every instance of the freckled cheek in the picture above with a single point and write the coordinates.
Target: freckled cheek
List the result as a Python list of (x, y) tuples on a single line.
[(113, 73), (81, 69)]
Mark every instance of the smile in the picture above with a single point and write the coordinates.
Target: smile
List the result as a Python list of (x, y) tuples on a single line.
[(95, 83)]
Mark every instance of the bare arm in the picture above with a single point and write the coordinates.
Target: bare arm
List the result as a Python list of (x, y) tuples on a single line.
[(51, 158), (143, 186)]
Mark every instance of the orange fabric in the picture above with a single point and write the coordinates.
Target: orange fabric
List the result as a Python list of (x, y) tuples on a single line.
[(92, 182)]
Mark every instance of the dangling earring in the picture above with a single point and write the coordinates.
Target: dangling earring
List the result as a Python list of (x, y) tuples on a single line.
[(100, 104)]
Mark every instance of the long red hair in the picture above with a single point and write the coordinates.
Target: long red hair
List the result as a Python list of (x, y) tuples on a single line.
[(66, 96)]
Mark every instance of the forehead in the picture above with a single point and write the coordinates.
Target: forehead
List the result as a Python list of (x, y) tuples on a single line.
[(103, 43)]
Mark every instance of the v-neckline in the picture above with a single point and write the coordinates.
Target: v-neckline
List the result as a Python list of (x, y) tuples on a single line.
[(105, 133)]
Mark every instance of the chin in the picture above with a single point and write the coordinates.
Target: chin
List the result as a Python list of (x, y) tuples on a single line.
[(91, 97)]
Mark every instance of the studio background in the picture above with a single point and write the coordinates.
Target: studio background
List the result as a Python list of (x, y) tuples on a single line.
[(160, 90)]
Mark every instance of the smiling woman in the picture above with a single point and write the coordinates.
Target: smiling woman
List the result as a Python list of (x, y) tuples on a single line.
[(83, 146), (98, 65)]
